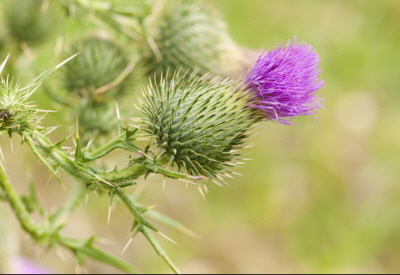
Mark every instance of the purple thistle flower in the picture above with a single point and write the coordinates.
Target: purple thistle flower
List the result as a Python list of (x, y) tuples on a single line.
[(284, 82)]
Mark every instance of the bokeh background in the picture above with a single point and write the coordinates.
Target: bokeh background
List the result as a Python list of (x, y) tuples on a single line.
[(319, 196)]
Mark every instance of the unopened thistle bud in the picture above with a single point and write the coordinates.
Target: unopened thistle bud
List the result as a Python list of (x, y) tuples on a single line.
[(95, 119), (197, 125), (29, 21), (284, 82), (17, 115), (186, 34), (97, 73)]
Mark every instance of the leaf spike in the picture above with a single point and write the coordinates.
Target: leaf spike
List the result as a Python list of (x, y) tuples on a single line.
[(168, 238), (4, 63)]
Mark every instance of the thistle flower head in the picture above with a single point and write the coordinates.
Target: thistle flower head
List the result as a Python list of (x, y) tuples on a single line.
[(186, 34), (284, 82), (98, 73), (197, 125)]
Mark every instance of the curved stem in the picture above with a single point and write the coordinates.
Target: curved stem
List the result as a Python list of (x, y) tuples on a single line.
[(48, 237), (18, 207)]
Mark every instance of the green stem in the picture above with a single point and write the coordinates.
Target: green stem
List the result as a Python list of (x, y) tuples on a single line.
[(133, 171), (85, 247), (136, 212), (120, 142), (36, 152), (48, 237), (50, 154), (160, 252), (18, 207), (143, 225), (59, 159), (172, 174)]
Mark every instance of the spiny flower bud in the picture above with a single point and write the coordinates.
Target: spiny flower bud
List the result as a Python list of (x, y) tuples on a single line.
[(98, 72), (29, 21), (197, 125), (284, 82), (186, 34), (17, 115)]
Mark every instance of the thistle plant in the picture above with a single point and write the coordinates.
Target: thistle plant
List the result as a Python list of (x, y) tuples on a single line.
[(194, 119)]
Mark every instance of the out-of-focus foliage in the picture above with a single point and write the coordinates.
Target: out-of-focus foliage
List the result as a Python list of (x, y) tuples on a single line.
[(321, 196)]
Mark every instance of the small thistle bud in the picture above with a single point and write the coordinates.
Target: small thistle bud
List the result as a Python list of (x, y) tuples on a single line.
[(284, 82), (93, 74), (17, 115), (95, 119), (29, 21), (186, 34), (197, 125)]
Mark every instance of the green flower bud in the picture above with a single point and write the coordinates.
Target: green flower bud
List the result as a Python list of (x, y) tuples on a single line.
[(198, 125), (29, 21), (186, 34), (98, 72), (17, 115), (95, 119)]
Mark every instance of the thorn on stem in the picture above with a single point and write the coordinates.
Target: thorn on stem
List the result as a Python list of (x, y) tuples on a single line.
[(126, 246)]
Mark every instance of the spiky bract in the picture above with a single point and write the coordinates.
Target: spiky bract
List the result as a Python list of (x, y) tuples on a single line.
[(186, 34), (197, 124), (17, 115), (29, 21), (99, 63)]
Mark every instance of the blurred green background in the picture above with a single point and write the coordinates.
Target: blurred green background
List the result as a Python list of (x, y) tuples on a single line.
[(319, 196)]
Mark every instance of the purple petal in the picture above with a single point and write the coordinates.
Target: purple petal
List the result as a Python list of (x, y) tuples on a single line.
[(284, 82)]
